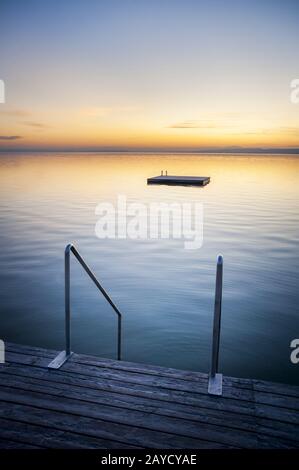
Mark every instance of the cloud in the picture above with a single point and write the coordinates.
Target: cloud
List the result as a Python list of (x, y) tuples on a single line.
[(38, 125), (10, 137), (235, 128), (198, 124)]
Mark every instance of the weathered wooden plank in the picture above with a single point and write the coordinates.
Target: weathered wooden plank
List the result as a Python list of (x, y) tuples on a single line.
[(113, 364), (266, 442), (119, 416), (198, 385), (151, 392), (45, 437), (131, 378), (85, 396), (201, 415), (119, 396), (131, 435), (30, 350), (275, 388), (197, 398), (200, 379), (259, 385), (158, 401), (281, 401), (291, 403), (201, 399), (9, 444)]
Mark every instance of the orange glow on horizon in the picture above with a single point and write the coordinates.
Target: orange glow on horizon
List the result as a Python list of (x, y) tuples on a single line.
[(139, 132)]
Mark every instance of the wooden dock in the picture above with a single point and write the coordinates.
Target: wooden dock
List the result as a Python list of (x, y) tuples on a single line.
[(179, 180), (100, 403)]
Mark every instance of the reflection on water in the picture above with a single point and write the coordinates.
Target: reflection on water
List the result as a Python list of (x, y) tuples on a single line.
[(165, 292)]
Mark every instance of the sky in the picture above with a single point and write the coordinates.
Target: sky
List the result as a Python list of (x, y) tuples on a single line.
[(154, 74)]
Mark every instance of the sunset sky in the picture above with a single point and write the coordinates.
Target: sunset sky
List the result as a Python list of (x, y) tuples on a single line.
[(155, 74)]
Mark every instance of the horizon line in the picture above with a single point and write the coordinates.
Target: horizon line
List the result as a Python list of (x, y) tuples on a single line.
[(224, 150)]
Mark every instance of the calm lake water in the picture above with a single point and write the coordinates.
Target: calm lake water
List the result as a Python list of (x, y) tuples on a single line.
[(165, 292)]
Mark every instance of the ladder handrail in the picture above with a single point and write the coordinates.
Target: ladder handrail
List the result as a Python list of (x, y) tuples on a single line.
[(217, 317), (215, 379), (65, 355)]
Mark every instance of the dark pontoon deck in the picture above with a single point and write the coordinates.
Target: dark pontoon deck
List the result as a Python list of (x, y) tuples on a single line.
[(181, 180), (101, 403)]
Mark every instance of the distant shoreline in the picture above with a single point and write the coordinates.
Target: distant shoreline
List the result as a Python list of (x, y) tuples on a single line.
[(280, 151)]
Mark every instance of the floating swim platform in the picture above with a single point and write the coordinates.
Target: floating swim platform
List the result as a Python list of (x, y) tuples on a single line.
[(179, 180)]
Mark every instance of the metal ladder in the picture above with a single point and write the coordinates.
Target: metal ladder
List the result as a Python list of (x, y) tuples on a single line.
[(63, 356), (215, 379)]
